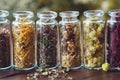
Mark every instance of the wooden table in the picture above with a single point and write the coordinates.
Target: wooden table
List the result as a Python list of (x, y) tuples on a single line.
[(80, 74)]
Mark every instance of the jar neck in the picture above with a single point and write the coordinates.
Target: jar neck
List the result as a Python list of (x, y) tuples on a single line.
[(94, 15), (69, 15), (3, 18), (22, 20), (47, 16), (69, 19), (3, 15), (47, 20), (23, 16), (115, 18), (115, 14), (94, 18)]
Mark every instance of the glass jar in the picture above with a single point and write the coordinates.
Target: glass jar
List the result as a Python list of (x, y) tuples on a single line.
[(70, 43), (23, 31), (5, 40), (47, 39), (93, 38), (113, 39)]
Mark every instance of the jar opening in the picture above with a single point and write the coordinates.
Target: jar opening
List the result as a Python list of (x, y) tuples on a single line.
[(47, 14), (69, 14), (4, 13), (94, 13), (114, 13), (23, 14)]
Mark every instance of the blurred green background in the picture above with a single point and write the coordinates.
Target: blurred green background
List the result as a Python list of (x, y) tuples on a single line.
[(59, 5)]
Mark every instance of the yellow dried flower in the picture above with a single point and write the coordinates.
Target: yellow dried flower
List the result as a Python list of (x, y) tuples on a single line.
[(105, 66)]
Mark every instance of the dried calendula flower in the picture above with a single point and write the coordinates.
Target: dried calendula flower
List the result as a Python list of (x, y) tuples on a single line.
[(105, 66)]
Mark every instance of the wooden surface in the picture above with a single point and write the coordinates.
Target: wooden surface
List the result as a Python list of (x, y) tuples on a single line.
[(80, 74)]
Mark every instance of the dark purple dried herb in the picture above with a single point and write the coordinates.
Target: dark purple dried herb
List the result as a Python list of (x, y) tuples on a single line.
[(114, 44), (47, 46), (4, 48)]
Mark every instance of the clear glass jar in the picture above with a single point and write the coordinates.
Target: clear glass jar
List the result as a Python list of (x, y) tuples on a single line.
[(113, 39), (47, 39), (5, 40), (94, 39), (23, 32), (70, 43)]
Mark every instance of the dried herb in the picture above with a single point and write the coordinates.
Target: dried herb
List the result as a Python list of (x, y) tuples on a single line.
[(70, 45), (23, 36), (47, 45), (4, 48), (113, 41), (50, 74), (93, 44)]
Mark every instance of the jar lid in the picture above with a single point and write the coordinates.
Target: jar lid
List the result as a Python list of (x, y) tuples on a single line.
[(47, 14), (115, 13), (4, 13), (69, 13), (93, 13), (23, 14)]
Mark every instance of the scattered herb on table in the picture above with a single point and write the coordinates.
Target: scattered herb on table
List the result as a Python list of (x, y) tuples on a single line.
[(50, 74)]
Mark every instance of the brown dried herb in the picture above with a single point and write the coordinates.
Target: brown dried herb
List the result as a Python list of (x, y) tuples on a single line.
[(70, 45)]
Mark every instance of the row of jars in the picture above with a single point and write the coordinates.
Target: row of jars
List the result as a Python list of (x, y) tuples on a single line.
[(48, 44)]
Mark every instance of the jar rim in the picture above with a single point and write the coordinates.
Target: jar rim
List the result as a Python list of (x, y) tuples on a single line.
[(69, 14), (23, 14), (115, 13), (93, 13), (4, 13), (47, 14)]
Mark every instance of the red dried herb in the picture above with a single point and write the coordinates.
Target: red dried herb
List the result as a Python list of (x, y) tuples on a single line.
[(114, 44), (4, 48)]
